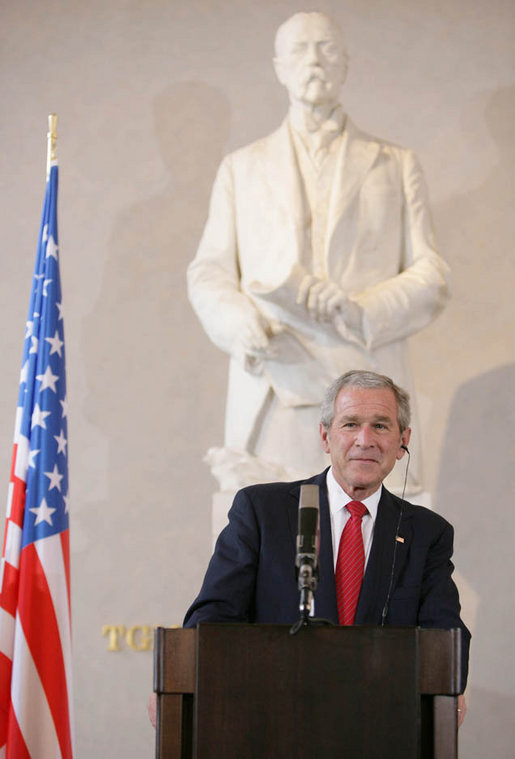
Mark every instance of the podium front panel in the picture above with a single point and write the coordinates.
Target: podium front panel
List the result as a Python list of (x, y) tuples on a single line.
[(324, 693)]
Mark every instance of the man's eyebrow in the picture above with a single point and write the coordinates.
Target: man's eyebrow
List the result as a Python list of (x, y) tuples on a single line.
[(356, 417), (382, 418)]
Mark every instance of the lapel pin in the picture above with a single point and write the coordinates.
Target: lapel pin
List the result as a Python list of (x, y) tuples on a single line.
[(399, 539)]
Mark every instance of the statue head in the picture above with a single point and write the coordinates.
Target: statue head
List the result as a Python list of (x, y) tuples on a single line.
[(310, 58)]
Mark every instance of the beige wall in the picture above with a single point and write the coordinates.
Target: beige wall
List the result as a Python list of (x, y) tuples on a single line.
[(149, 95)]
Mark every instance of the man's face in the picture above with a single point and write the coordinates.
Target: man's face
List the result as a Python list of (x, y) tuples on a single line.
[(364, 439), (310, 60)]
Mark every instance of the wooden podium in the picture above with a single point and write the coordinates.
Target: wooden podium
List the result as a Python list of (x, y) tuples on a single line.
[(258, 692)]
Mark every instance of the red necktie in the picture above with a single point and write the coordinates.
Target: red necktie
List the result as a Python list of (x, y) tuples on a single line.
[(350, 564)]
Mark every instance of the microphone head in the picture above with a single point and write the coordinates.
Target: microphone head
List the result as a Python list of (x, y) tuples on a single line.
[(308, 519)]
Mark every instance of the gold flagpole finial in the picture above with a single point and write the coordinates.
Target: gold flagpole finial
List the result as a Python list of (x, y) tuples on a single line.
[(51, 156)]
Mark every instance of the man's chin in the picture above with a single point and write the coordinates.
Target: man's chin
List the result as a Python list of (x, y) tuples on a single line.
[(315, 93), (365, 465), (365, 474)]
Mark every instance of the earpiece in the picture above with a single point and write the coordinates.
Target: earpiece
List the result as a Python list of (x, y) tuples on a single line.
[(405, 447)]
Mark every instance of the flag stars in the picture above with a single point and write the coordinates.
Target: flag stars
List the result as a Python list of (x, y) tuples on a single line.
[(64, 404), (48, 379), (60, 309), (45, 286), (55, 344), (61, 442), (51, 248), (43, 513), (24, 372), (55, 479), (34, 346), (32, 457), (39, 416)]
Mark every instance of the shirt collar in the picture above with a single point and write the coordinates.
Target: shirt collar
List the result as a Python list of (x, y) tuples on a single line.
[(338, 498)]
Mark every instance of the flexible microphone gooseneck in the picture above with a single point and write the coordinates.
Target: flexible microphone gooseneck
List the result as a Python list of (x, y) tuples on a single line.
[(397, 540)]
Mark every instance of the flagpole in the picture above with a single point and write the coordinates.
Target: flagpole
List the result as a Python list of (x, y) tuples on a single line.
[(51, 156)]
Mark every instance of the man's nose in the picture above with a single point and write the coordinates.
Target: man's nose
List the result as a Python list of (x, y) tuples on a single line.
[(365, 437), (313, 54)]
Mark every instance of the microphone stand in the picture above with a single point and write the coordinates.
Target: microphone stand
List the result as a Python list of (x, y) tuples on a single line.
[(308, 580)]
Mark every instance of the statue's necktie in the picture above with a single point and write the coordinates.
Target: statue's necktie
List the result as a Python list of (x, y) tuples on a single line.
[(350, 564)]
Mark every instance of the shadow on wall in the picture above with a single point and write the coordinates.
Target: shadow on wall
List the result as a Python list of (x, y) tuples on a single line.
[(143, 343), (476, 229), (475, 491), (147, 357)]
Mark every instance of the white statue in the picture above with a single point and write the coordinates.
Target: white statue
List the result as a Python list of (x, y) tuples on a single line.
[(318, 256)]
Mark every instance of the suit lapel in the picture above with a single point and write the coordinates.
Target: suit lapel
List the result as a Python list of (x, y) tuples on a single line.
[(284, 183), (378, 574), (358, 153), (325, 597)]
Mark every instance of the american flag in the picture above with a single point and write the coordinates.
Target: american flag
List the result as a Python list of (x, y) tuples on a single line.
[(35, 635)]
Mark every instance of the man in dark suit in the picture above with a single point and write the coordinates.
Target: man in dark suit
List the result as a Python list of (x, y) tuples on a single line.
[(406, 551)]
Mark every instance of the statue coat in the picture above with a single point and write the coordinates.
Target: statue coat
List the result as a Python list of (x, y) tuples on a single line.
[(380, 250)]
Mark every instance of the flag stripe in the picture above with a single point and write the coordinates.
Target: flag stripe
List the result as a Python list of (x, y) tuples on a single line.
[(6, 633), (65, 545), (37, 612), (12, 544), (5, 685), (10, 589), (53, 554), (21, 457), (30, 706), (10, 492), (17, 748)]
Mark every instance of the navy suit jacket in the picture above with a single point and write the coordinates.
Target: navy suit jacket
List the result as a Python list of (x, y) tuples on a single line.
[(251, 576)]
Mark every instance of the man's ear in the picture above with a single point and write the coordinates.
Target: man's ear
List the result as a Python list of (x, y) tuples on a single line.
[(404, 441), (279, 70), (324, 436)]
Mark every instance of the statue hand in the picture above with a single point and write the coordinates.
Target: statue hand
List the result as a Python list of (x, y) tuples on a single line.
[(325, 301), (322, 298), (251, 343)]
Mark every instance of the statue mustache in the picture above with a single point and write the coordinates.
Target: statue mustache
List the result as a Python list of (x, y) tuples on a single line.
[(315, 75)]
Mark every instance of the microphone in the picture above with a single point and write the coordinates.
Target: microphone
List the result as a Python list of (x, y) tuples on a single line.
[(306, 562)]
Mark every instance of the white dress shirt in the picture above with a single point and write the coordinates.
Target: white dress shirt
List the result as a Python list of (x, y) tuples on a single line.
[(338, 499)]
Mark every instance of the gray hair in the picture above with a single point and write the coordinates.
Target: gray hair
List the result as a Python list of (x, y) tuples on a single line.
[(367, 381)]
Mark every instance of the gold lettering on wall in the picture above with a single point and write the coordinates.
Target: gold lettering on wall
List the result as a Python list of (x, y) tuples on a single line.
[(135, 638), (113, 632), (140, 637)]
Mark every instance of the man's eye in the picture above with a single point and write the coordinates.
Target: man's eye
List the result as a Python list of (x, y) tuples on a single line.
[(330, 49)]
